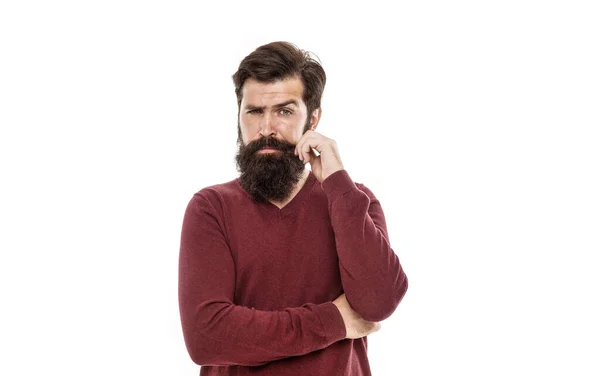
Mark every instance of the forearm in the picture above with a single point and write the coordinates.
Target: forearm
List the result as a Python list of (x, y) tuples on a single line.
[(372, 276), (221, 333)]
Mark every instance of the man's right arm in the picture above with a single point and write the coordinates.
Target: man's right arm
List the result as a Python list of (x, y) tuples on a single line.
[(218, 332)]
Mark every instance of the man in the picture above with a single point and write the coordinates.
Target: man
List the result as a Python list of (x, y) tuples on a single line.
[(284, 270)]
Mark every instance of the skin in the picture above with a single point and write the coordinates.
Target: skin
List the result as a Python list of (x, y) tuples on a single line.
[(356, 326), (261, 114)]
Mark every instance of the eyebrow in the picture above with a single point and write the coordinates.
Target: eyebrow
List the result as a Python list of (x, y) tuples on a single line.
[(291, 101)]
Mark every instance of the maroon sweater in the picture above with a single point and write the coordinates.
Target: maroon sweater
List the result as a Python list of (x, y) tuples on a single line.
[(256, 283)]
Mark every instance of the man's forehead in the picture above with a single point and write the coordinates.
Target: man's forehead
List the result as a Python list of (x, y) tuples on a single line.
[(282, 89)]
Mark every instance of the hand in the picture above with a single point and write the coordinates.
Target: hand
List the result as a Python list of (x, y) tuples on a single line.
[(327, 162), (356, 326)]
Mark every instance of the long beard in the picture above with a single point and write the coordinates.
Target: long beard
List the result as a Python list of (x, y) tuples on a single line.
[(268, 176)]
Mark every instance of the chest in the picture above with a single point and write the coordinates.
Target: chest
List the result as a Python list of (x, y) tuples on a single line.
[(286, 261)]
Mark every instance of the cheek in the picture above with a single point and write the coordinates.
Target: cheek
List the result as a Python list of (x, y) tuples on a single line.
[(245, 120), (247, 125), (292, 131)]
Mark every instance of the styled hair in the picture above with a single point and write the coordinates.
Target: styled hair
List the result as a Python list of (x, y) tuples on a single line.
[(278, 61)]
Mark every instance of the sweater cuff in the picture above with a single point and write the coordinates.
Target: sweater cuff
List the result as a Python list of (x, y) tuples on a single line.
[(337, 184), (332, 321)]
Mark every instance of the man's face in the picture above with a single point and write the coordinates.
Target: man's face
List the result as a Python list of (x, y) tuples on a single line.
[(271, 120), (272, 109)]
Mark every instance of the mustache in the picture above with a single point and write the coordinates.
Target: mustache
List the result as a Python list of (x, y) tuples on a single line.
[(271, 142)]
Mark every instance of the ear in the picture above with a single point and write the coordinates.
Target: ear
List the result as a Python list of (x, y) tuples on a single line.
[(315, 118)]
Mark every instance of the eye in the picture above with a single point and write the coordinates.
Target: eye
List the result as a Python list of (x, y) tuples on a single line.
[(253, 111), (287, 112)]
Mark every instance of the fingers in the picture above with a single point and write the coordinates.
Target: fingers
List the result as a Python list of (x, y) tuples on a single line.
[(377, 327), (373, 327), (303, 146), (303, 150), (307, 150), (311, 145), (315, 165)]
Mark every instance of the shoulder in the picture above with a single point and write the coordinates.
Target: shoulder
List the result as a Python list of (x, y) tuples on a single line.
[(365, 190), (217, 195), (221, 190)]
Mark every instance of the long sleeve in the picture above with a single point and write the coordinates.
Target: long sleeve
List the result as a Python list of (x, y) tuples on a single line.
[(372, 277), (218, 332)]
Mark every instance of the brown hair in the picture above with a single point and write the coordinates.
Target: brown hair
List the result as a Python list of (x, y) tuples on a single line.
[(278, 61)]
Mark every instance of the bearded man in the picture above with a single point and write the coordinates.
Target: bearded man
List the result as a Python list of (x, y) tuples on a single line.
[(285, 270)]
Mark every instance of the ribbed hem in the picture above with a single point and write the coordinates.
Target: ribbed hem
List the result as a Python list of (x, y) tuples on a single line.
[(337, 184), (333, 322)]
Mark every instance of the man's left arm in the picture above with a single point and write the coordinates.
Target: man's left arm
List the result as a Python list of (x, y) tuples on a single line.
[(372, 276)]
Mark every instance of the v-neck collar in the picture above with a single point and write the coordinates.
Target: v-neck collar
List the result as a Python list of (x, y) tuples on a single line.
[(295, 203)]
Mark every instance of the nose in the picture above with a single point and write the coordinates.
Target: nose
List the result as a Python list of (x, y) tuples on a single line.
[(267, 125)]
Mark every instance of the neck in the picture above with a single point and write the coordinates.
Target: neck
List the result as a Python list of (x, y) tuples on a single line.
[(295, 191)]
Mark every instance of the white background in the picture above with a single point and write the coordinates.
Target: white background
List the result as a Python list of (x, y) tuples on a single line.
[(475, 123)]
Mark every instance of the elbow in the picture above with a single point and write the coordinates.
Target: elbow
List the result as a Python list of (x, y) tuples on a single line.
[(200, 346), (201, 335), (382, 302), (211, 353), (205, 351), (201, 357), (197, 349)]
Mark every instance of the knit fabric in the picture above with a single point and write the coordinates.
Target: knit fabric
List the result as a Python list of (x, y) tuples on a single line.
[(256, 282)]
